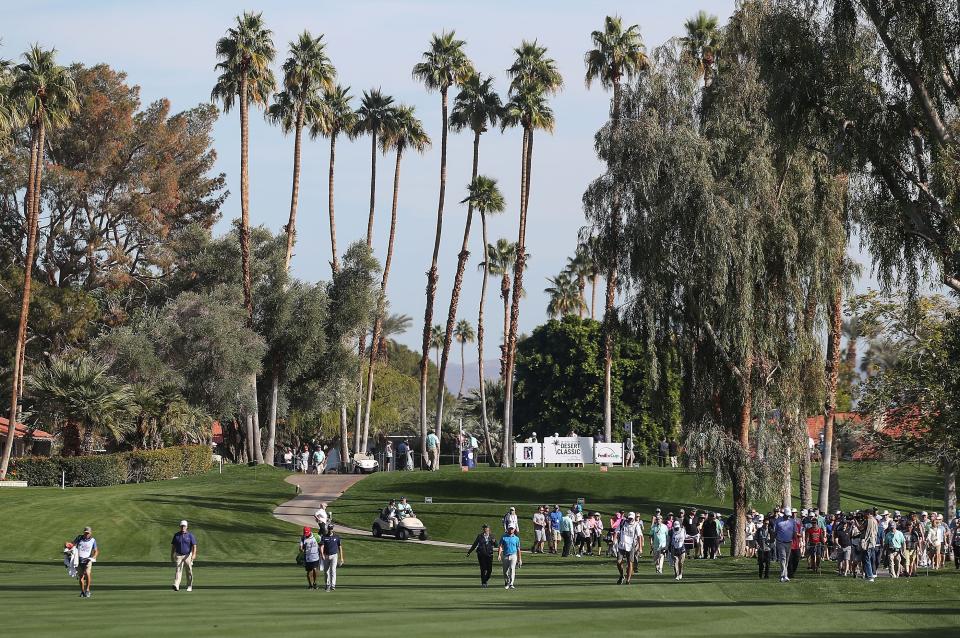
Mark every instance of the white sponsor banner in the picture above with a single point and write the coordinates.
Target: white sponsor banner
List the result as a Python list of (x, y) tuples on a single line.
[(527, 453), (608, 453), (568, 449)]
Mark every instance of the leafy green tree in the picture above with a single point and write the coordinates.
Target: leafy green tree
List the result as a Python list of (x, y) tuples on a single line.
[(444, 64), (533, 77), (80, 396), (477, 107), (46, 98), (307, 72), (560, 382), (618, 53)]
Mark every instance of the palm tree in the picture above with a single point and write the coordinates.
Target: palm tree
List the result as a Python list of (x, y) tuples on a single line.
[(565, 297), (700, 44), (375, 118), (436, 342), (588, 251), (246, 53), (476, 106), (44, 95), (391, 326), (534, 76), (336, 117), (499, 263), (80, 394), (464, 335), (405, 131), (882, 355), (444, 64), (581, 268), (851, 330), (306, 73), (617, 53), (487, 199), (9, 115)]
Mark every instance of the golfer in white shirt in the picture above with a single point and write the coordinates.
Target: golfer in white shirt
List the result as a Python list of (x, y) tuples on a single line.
[(627, 543)]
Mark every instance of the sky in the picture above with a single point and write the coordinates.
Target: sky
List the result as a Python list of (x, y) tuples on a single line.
[(167, 48)]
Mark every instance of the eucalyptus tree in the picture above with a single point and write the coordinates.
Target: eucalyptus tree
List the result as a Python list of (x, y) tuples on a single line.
[(245, 54), (405, 132), (488, 200), (336, 117), (464, 334), (533, 78), (444, 64), (44, 95), (618, 54), (307, 72), (477, 107), (700, 44)]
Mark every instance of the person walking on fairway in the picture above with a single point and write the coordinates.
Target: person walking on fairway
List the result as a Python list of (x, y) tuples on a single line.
[(677, 539), (627, 544), (183, 551), (87, 553), (311, 556), (483, 545), (331, 553), (511, 557), (786, 529)]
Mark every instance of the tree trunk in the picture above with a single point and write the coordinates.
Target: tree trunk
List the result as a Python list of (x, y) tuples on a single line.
[(292, 223), (786, 492), (86, 448), (483, 297), (739, 547), (432, 277), (608, 316), (455, 293), (463, 368), (834, 500), (806, 470), (245, 201), (510, 338), (32, 219), (582, 286), (272, 422), (505, 296), (373, 185), (949, 489), (830, 409), (335, 263), (378, 324), (344, 438)]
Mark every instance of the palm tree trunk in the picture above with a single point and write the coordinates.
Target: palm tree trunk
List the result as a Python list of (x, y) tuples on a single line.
[(463, 367), (834, 502), (335, 261), (86, 448), (432, 277), (582, 286), (518, 267), (593, 297), (483, 296), (272, 423), (245, 202), (292, 223), (505, 296), (455, 293), (806, 483), (829, 417), (378, 324), (373, 185), (949, 489), (344, 437), (32, 218)]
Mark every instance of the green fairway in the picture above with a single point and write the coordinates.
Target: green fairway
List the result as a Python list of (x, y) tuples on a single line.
[(248, 585)]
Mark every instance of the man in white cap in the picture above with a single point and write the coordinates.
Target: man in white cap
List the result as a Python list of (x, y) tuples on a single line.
[(626, 540), (183, 551), (511, 557), (786, 529), (322, 516)]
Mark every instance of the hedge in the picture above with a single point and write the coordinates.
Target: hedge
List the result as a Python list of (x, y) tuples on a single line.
[(114, 469)]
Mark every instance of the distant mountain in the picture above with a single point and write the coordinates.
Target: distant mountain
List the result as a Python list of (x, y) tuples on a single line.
[(471, 381)]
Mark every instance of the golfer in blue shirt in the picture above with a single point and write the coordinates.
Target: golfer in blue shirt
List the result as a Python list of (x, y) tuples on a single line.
[(510, 555), (183, 551)]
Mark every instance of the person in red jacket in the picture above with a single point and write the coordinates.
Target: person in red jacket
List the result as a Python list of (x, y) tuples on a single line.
[(816, 538)]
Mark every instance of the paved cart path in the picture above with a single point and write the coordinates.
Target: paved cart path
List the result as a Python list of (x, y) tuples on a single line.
[(327, 488)]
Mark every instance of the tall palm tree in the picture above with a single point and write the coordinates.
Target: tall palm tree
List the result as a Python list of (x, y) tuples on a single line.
[(534, 77), (245, 54), (588, 251), (565, 297), (336, 117), (391, 326), (499, 262), (404, 132), (476, 107), (9, 114), (307, 72), (580, 267), (700, 43), (617, 53), (436, 342), (464, 334), (81, 394), (444, 64), (487, 199), (44, 95), (374, 118)]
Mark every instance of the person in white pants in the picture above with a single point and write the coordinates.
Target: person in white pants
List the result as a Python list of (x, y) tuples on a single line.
[(331, 555), (183, 551)]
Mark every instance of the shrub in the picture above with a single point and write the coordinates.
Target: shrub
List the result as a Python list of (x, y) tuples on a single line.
[(197, 459), (155, 465), (96, 471), (36, 470)]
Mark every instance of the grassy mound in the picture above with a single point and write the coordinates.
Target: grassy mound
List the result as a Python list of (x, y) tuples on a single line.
[(462, 501)]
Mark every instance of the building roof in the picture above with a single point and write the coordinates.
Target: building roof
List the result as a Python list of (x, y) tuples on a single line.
[(22, 431)]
